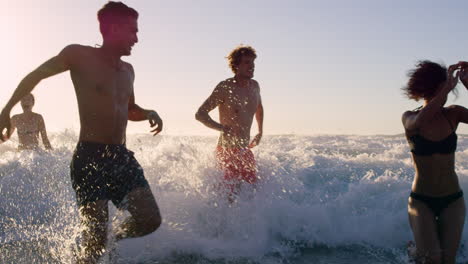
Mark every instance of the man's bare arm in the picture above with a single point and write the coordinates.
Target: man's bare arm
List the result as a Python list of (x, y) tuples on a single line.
[(5, 137), (53, 66), (136, 113), (215, 99), (259, 118), (42, 130)]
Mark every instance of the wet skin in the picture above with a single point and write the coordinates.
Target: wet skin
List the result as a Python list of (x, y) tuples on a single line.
[(437, 240), (238, 100), (104, 90)]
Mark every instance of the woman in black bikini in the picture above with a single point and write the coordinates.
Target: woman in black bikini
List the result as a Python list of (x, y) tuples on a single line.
[(436, 206)]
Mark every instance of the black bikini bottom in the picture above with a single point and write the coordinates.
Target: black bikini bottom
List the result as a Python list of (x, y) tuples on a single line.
[(437, 204)]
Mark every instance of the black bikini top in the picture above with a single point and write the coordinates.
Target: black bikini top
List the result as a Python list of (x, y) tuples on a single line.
[(424, 147)]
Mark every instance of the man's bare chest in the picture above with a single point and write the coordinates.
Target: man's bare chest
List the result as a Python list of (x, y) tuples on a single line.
[(103, 81), (241, 101)]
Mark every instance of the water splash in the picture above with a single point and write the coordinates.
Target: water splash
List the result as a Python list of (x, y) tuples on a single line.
[(321, 198)]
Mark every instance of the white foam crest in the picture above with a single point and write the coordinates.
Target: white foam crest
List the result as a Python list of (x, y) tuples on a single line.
[(36, 201), (314, 190)]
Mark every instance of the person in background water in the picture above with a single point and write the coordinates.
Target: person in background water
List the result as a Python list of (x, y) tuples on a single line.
[(29, 126), (238, 100), (102, 168), (436, 207)]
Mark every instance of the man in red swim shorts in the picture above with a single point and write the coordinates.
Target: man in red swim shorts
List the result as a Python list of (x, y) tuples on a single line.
[(238, 165), (238, 100)]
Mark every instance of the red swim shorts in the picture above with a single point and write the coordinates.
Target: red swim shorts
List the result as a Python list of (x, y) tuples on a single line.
[(238, 164)]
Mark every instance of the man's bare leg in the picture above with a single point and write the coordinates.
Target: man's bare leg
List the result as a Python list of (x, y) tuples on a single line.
[(145, 216), (94, 218)]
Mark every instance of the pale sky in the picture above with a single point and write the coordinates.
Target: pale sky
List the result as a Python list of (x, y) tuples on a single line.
[(324, 67)]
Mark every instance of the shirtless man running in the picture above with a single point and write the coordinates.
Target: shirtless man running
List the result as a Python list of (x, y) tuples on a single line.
[(102, 168), (29, 126), (238, 100)]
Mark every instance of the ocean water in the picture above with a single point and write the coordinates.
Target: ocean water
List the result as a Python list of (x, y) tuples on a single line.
[(321, 199)]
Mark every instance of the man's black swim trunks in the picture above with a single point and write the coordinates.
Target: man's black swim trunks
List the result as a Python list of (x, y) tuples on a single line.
[(104, 172)]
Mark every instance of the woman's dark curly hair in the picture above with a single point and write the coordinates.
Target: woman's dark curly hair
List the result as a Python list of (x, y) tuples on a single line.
[(425, 80)]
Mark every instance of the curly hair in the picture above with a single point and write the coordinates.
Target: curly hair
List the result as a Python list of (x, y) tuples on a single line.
[(236, 54), (114, 13), (425, 80)]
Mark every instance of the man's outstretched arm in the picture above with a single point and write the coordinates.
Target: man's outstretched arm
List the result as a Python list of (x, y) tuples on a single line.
[(55, 65), (211, 103)]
